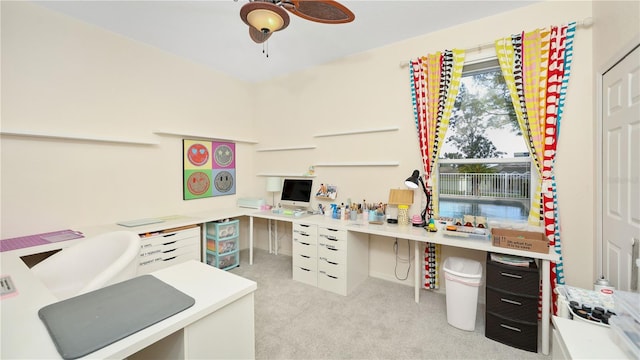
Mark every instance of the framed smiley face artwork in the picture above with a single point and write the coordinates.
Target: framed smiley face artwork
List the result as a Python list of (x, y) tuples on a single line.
[(208, 169)]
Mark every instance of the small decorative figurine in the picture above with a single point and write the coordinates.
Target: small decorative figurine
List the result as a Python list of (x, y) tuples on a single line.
[(431, 227)]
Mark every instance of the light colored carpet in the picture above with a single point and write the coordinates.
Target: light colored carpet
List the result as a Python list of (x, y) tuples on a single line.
[(378, 320)]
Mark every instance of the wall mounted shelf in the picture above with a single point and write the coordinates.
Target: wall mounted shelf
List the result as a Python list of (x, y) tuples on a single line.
[(289, 148), (75, 137), (356, 132), (362, 163), (287, 175), (203, 137)]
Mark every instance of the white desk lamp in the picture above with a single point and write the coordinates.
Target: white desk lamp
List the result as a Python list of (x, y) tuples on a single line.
[(274, 184)]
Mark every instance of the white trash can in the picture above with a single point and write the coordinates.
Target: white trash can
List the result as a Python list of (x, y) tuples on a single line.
[(463, 278)]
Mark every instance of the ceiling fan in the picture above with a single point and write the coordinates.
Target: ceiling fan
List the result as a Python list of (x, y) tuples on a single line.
[(265, 17)]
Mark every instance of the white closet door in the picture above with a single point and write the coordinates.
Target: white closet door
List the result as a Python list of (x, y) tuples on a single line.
[(621, 171)]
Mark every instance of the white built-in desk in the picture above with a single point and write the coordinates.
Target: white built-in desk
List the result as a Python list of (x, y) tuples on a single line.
[(219, 325), (420, 236)]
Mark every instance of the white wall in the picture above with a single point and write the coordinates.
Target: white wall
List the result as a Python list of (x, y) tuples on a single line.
[(64, 76), (371, 90)]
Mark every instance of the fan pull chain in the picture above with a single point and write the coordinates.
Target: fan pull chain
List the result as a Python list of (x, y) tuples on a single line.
[(265, 45)]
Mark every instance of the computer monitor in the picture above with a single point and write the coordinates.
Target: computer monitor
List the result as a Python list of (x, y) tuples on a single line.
[(296, 193)]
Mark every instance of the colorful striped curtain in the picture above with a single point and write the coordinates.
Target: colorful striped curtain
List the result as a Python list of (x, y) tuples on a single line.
[(536, 66), (435, 81)]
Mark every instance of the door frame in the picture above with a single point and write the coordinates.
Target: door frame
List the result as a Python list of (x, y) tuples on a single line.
[(611, 62)]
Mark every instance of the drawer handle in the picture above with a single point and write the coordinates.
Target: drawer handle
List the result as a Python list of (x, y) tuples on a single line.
[(304, 269), (330, 229), (329, 237), (510, 328), (332, 249), (304, 225), (168, 251), (170, 242), (302, 243), (515, 276), (513, 302), (171, 258), (167, 235), (305, 256), (333, 277), (330, 262), (303, 233)]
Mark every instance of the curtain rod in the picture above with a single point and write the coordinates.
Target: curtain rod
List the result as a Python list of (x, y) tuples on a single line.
[(585, 23)]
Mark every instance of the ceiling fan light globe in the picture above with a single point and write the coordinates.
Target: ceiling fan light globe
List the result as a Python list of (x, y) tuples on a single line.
[(265, 17), (265, 20)]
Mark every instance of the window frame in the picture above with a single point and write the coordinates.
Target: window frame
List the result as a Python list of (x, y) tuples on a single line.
[(477, 65)]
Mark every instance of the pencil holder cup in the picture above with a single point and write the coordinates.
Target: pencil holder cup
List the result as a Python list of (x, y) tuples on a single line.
[(403, 215)]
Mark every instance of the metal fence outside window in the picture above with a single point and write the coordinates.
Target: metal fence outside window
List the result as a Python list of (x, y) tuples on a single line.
[(504, 190), (486, 186)]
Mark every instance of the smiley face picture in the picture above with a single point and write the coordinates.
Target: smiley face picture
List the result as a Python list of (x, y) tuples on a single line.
[(223, 181), (208, 168), (198, 154), (198, 183), (223, 155)]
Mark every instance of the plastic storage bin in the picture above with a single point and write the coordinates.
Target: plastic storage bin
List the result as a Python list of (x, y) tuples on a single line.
[(462, 278), (625, 326), (222, 246), (223, 230), (224, 262)]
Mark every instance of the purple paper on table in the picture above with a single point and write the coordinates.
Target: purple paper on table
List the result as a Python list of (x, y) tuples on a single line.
[(38, 239)]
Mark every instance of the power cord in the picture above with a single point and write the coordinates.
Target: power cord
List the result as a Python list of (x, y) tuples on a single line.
[(399, 259)]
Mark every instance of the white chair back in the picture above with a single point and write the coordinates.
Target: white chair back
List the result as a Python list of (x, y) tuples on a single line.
[(90, 264)]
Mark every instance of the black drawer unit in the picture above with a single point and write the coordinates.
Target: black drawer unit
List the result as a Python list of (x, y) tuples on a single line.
[(512, 304), (521, 335)]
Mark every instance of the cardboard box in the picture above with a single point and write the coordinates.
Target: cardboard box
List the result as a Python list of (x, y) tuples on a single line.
[(520, 240)]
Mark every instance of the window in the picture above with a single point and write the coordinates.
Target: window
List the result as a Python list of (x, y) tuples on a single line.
[(484, 166)]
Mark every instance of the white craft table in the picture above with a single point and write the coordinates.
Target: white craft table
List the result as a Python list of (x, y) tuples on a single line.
[(219, 325)]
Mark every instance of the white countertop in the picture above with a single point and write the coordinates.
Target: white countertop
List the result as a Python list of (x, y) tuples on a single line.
[(24, 336), (587, 341), (404, 232)]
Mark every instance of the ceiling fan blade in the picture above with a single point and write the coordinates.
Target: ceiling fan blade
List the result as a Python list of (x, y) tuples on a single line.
[(322, 11), (257, 35)]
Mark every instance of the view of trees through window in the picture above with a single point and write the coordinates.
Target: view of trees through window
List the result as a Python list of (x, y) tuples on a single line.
[(483, 125)]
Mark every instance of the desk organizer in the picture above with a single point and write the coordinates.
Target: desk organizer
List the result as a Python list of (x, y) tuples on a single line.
[(588, 305), (466, 231)]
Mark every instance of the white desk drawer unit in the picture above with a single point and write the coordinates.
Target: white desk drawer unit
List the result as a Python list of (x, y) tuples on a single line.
[(305, 253), (332, 259), (168, 247), (329, 258)]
